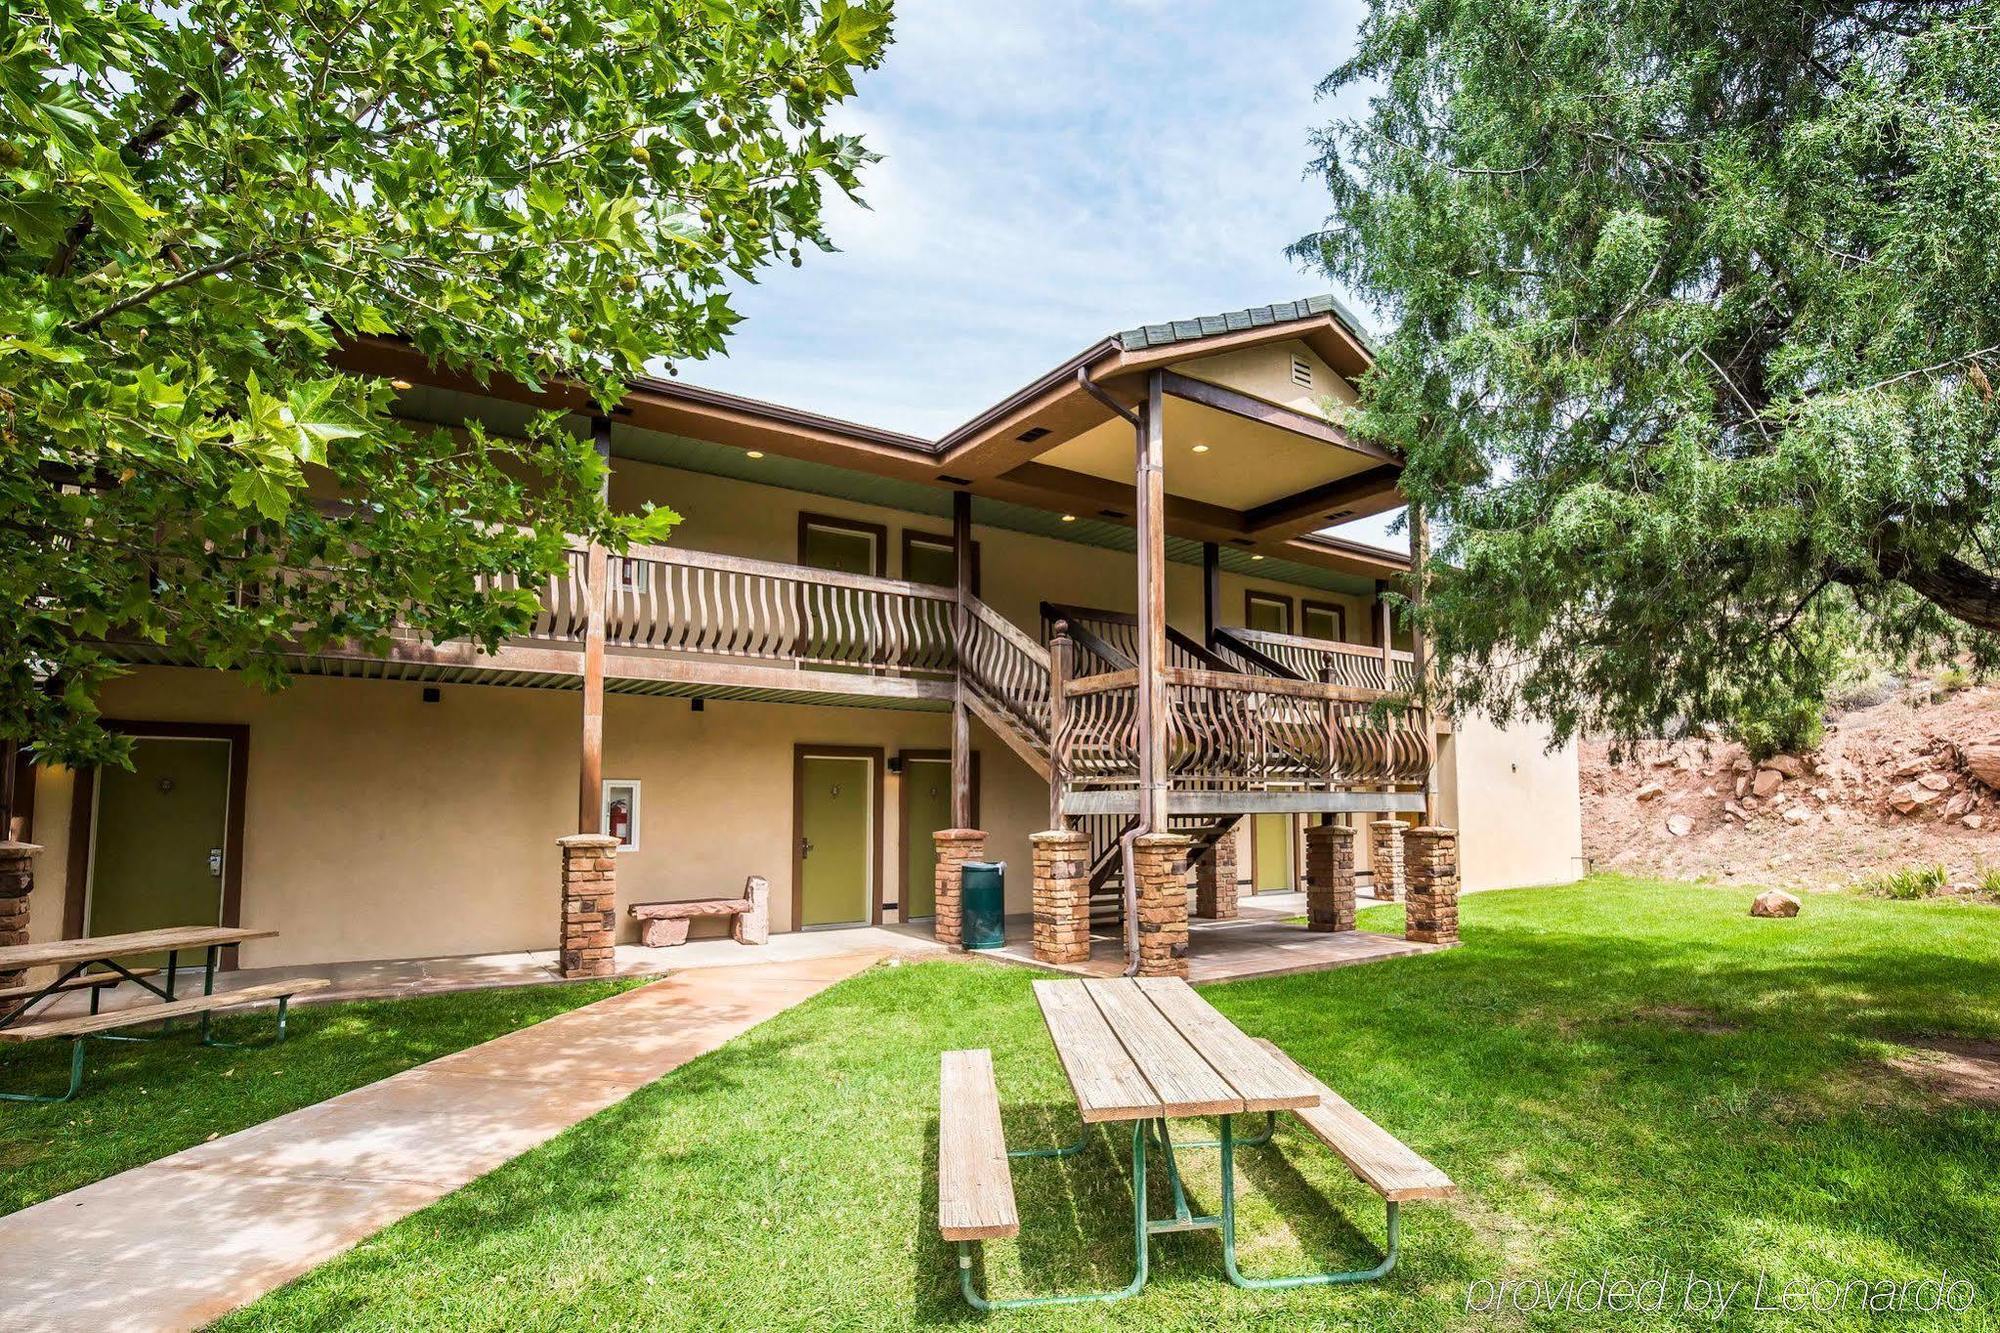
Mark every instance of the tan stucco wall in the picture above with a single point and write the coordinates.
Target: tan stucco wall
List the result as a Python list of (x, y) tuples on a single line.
[(1266, 372), (1515, 805), (379, 826)]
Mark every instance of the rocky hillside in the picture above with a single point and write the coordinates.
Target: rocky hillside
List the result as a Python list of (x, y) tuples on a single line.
[(1910, 778)]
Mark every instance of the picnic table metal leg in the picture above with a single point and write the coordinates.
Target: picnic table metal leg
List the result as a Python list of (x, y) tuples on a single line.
[(75, 1080), (1140, 1243), (1282, 1283), (20, 1008), (207, 1040)]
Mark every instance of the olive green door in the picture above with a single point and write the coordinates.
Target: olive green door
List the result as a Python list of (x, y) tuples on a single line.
[(1273, 834), (927, 797), (836, 833), (158, 837)]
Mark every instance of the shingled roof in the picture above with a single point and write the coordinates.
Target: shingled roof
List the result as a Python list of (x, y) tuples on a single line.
[(1235, 321)]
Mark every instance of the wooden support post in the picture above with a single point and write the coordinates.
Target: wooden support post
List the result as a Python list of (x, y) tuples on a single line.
[(1150, 469), (1385, 633), (961, 721), (1420, 666), (1211, 591), (590, 768), (1059, 668)]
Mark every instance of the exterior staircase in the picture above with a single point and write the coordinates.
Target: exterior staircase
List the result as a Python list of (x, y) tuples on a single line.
[(1005, 675)]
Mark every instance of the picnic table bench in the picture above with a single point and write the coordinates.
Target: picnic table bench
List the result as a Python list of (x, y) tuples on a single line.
[(73, 957), (1144, 1050), (666, 923)]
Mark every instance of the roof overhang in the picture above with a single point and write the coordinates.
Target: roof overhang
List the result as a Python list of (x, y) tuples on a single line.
[(988, 457)]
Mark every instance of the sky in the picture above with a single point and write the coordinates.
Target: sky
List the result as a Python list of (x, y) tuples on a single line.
[(1052, 172)]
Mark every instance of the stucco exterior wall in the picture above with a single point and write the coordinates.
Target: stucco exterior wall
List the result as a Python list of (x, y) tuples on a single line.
[(380, 826), (1515, 805)]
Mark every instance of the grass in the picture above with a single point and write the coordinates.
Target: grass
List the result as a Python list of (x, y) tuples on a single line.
[(142, 1101), (1626, 1077), (1908, 883)]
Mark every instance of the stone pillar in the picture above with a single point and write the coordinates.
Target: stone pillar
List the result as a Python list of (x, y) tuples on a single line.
[(1160, 860), (1329, 877), (1215, 881), (1062, 896), (955, 846), (1386, 842), (1432, 866), (17, 881), (589, 904)]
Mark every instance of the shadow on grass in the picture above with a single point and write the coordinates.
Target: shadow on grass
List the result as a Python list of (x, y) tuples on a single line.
[(790, 1177)]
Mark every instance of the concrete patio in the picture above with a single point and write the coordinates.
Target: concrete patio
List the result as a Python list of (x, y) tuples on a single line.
[(1262, 940)]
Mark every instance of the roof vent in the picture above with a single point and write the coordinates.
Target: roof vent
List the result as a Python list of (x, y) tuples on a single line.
[(1112, 513), (950, 480), (1302, 374), (1242, 541), (1031, 434), (1340, 513)]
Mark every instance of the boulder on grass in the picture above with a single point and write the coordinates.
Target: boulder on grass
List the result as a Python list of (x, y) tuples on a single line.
[(1774, 902)]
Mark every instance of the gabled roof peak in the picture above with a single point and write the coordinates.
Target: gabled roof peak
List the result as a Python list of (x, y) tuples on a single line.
[(1237, 321)]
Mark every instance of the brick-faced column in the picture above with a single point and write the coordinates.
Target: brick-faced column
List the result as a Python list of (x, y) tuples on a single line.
[(17, 882), (1160, 863), (1329, 877), (1431, 863), (1215, 881), (1062, 896), (955, 846), (589, 904), (1386, 842)]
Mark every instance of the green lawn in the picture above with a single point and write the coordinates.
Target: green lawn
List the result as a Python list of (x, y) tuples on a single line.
[(1623, 1076), (141, 1101)]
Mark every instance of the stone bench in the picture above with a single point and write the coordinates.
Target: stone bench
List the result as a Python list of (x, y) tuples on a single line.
[(666, 924)]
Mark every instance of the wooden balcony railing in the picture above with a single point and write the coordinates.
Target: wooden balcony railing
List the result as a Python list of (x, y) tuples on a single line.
[(697, 602), (1228, 730), (1349, 664), (1006, 668)]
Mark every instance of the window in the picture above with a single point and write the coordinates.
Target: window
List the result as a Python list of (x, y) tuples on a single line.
[(621, 813), (1267, 611), (928, 558), (843, 545), (1323, 620)]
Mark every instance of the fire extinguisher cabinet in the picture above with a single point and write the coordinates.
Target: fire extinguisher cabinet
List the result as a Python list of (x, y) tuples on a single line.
[(982, 901)]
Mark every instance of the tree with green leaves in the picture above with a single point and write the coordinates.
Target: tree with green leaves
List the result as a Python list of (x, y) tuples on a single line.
[(199, 203), (1696, 315)]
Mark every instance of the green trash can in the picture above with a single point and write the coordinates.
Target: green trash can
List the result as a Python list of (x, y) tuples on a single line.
[(983, 900)]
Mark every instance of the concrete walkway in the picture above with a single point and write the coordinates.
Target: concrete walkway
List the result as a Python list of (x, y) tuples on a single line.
[(182, 1241)]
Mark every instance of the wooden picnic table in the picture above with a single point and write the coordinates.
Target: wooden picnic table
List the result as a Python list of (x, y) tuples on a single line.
[(1147, 1050), (71, 957)]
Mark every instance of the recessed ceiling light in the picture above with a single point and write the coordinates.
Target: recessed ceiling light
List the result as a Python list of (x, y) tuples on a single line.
[(1201, 448), (1256, 557), (1069, 518), (754, 453), (401, 386)]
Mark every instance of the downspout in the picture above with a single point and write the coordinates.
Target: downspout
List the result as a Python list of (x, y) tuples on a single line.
[(1128, 858)]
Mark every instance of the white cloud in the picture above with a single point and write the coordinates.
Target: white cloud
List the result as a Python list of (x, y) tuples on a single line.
[(1052, 174)]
